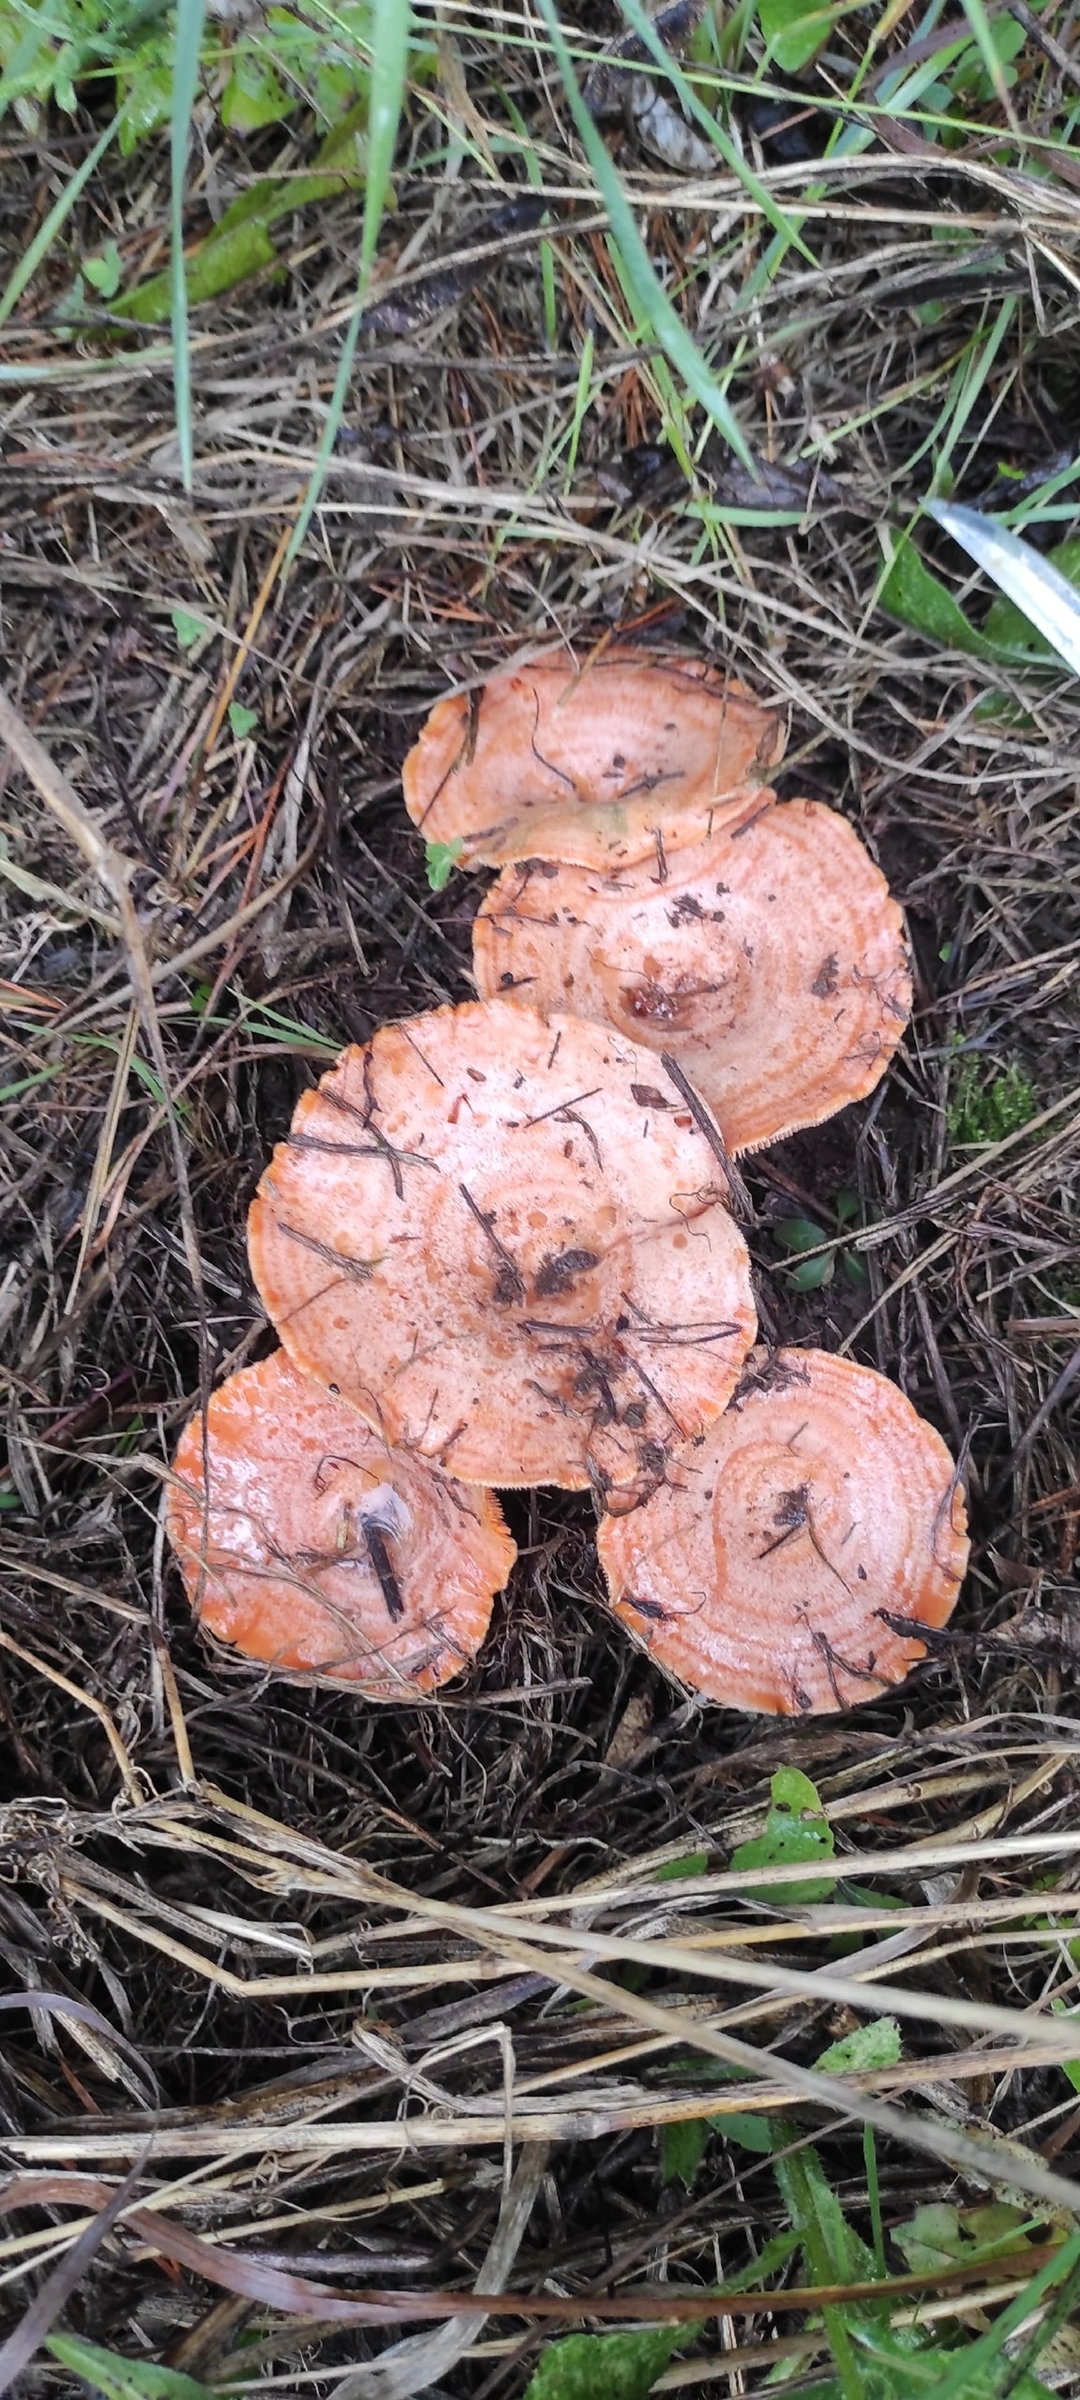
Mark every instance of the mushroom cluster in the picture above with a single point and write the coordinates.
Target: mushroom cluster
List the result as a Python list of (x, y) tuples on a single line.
[(500, 1244)]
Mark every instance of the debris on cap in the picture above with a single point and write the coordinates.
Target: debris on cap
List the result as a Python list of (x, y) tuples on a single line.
[(321, 1553), (793, 1560), (769, 961), (484, 1234), (605, 763)]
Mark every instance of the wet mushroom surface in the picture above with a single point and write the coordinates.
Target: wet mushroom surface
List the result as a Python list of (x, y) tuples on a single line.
[(312, 1548), (601, 764), (793, 1557), (769, 960), (484, 1234)]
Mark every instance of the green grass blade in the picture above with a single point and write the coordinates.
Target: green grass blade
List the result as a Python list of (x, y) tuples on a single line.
[(712, 128), (978, 369), (46, 233), (968, 379), (873, 2195), (1036, 509), (390, 32), (581, 405), (641, 281), (190, 18)]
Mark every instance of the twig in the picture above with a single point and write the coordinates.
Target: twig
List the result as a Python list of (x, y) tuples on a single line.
[(741, 1204)]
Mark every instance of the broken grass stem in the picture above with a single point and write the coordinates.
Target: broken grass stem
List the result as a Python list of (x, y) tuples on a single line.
[(742, 1206)]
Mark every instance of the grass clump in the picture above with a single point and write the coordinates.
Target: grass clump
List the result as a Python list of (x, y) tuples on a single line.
[(262, 71)]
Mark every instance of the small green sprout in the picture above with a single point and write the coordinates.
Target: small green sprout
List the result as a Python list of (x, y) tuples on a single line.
[(105, 272), (188, 629), (441, 858), (800, 1234)]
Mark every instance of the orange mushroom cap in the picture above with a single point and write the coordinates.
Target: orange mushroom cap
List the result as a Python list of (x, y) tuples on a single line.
[(483, 1234), (596, 764), (323, 1552), (805, 1540), (769, 961)]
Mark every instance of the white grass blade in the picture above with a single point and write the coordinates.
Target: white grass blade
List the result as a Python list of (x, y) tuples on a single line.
[(1020, 572)]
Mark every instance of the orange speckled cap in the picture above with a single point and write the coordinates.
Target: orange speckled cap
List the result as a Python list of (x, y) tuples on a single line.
[(796, 1551), (600, 763), (321, 1552), (483, 1234), (768, 960)]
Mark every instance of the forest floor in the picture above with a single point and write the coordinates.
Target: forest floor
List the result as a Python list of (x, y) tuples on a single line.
[(308, 1939)]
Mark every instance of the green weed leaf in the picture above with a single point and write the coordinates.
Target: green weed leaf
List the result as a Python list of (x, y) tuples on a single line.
[(814, 1273), (105, 272), (254, 95), (795, 30), (694, 1863), (939, 2235), (682, 2148), (895, 2366), (144, 90), (624, 2366), (752, 2133), (833, 2251), (440, 859), (914, 595), (604, 2366), (971, 75), (873, 2045), (240, 243), (241, 720), (123, 2378), (799, 1233), (994, 46), (796, 1829)]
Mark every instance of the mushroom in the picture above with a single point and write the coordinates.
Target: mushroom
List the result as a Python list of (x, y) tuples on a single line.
[(768, 960), (311, 1547), (605, 763), (793, 1562), (486, 1237)]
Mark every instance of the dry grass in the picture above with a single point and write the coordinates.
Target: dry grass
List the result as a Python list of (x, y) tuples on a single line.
[(399, 1997)]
